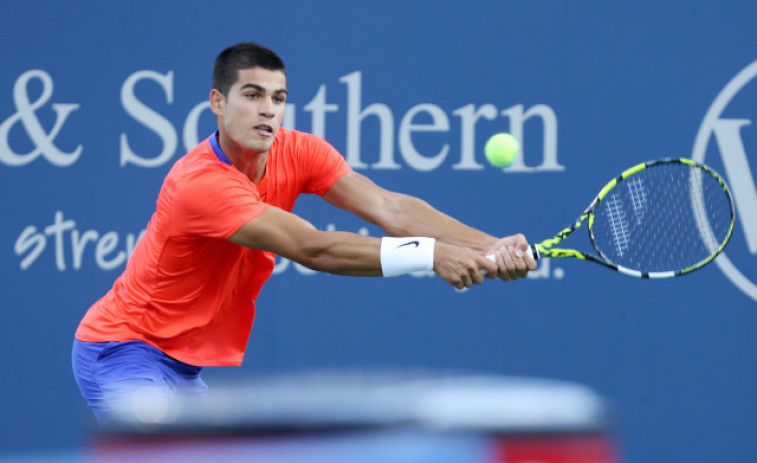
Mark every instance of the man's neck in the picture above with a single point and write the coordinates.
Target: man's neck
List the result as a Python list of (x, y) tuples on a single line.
[(251, 163)]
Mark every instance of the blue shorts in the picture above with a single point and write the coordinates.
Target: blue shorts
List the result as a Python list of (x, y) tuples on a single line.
[(111, 375)]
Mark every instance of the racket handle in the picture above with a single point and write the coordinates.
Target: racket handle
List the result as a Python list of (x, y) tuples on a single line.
[(491, 258), (535, 252)]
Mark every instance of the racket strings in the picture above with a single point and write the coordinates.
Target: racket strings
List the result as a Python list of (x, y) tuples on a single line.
[(618, 224), (669, 216), (699, 208)]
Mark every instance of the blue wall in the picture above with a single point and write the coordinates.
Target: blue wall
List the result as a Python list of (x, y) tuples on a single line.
[(97, 99)]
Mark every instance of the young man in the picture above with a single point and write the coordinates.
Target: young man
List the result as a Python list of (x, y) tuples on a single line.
[(186, 298)]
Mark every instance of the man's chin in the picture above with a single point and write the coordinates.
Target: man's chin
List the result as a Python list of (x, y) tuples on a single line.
[(260, 146)]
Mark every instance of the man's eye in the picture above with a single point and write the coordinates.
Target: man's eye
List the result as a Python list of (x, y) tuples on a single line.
[(252, 96), (279, 99)]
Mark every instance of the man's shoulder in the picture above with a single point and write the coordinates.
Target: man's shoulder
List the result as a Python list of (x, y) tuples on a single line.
[(200, 168), (291, 137), (302, 146), (203, 152), (201, 157)]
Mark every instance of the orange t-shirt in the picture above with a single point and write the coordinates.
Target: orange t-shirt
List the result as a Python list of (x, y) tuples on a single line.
[(186, 289)]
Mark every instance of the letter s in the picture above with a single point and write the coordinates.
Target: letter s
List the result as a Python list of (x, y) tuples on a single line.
[(28, 238), (149, 118)]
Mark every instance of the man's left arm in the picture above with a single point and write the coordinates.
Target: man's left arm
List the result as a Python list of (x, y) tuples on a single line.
[(404, 215)]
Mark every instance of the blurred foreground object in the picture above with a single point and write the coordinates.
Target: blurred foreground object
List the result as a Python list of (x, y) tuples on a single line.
[(368, 417)]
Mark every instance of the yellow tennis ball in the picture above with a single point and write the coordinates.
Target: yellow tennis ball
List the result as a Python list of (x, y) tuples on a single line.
[(501, 149)]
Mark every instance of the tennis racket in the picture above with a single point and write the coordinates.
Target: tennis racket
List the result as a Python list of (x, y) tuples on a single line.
[(657, 219)]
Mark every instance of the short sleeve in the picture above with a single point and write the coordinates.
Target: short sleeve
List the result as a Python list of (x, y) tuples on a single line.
[(324, 163), (214, 204)]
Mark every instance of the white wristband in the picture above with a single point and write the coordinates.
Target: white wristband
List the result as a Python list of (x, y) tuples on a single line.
[(400, 256)]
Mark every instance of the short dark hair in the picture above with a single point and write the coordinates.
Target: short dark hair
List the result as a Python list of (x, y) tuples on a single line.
[(245, 55)]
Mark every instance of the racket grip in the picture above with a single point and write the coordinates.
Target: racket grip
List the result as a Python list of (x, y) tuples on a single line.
[(491, 258), (535, 252)]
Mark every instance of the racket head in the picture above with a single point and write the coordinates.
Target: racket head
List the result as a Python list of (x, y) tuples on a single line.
[(662, 218)]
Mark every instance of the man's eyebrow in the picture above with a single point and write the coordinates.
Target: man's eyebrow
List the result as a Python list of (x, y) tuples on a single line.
[(261, 89)]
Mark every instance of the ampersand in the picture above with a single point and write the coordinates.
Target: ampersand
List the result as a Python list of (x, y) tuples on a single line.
[(25, 112)]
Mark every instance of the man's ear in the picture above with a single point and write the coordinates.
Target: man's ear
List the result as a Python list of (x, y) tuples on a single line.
[(217, 102)]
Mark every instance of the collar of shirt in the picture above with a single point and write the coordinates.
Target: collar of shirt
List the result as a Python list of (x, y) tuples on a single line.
[(217, 148)]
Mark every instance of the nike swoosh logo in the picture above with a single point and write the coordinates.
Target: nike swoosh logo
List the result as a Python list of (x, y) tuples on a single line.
[(416, 243)]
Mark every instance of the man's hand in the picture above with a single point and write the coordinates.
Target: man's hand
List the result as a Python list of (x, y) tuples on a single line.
[(513, 256), (460, 266)]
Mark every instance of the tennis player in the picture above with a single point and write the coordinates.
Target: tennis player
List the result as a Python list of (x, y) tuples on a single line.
[(186, 299)]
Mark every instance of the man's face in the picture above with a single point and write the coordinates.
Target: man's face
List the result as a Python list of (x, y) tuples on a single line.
[(251, 114)]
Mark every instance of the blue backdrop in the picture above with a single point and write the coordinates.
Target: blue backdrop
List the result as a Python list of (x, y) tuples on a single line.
[(97, 99)]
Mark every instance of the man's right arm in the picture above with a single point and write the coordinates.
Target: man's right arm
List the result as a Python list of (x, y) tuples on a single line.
[(344, 253)]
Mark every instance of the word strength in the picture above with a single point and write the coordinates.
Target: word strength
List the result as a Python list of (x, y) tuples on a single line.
[(71, 246)]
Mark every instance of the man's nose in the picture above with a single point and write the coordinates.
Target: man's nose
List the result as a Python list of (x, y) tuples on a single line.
[(266, 107)]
